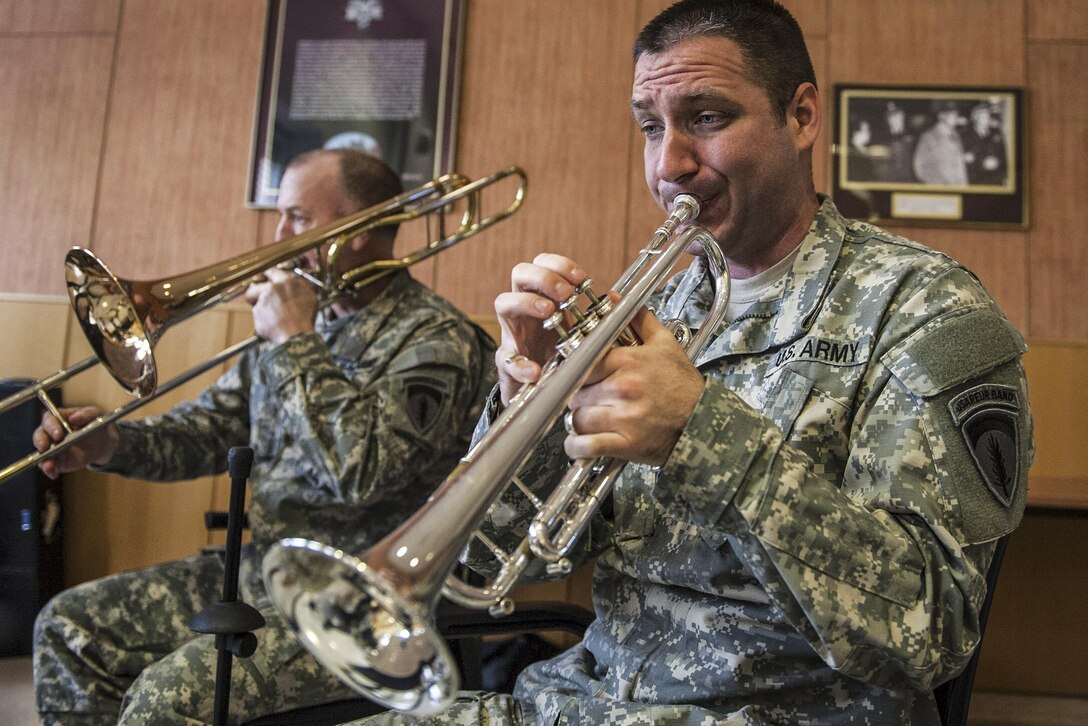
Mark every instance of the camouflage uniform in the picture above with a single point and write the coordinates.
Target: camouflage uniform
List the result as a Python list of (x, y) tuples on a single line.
[(352, 427), (814, 549)]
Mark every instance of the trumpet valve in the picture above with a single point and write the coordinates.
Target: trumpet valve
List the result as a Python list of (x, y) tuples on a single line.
[(569, 339)]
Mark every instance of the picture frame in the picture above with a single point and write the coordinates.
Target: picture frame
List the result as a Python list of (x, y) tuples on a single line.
[(377, 75), (928, 155)]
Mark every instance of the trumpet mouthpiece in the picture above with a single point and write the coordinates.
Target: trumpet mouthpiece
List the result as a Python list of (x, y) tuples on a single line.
[(687, 200)]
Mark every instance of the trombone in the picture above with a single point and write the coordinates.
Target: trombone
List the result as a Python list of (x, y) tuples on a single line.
[(123, 319)]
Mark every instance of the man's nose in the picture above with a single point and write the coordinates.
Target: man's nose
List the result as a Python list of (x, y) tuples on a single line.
[(676, 158), (283, 229)]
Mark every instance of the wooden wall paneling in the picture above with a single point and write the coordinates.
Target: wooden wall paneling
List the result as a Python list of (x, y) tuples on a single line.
[(118, 524), (1058, 123), (114, 523), (941, 42), (811, 15), (58, 16), (545, 86), (1058, 20), (647, 11), (239, 327), (1036, 640), (1058, 400), (54, 91), (267, 220), (178, 140), (34, 332), (1001, 259)]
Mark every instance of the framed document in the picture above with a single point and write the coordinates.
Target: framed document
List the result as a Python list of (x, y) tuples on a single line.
[(926, 155), (378, 75)]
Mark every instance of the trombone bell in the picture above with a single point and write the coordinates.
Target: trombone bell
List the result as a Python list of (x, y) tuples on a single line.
[(110, 321)]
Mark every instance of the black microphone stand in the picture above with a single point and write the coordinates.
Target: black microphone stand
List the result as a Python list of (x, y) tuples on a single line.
[(230, 620)]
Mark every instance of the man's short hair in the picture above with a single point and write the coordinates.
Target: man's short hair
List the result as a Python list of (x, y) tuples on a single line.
[(366, 179), (768, 36)]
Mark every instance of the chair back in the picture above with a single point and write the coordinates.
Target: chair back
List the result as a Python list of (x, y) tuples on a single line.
[(954, 697)]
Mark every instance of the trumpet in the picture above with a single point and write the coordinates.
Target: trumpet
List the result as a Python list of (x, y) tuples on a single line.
[(123, 319), (368, 618)]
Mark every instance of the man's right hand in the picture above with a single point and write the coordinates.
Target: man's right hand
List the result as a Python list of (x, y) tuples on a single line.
[(95, 449), (283, 306), (525, 345)]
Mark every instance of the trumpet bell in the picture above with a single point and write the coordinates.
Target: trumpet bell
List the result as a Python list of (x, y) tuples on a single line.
[(359, 627), (110, 321)]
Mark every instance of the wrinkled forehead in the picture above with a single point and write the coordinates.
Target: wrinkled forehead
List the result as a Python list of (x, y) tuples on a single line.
[(704, 62)]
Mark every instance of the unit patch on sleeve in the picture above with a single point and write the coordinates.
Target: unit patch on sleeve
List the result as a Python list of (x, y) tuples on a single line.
[(987, 415), (425, 398)]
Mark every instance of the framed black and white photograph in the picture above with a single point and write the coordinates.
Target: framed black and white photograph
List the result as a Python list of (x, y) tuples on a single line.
[(928, 155), (377, 75)]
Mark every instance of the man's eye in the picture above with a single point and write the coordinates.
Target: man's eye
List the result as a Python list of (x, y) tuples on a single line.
[(707, 118), (650, 129)]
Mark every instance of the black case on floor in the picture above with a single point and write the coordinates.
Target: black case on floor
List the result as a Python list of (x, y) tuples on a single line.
[(31, 562)]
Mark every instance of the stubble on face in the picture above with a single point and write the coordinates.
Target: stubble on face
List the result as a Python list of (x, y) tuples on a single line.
[(711, 132)]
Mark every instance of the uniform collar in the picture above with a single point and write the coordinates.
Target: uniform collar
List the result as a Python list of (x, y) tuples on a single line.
[(376, 312), (785, 311)]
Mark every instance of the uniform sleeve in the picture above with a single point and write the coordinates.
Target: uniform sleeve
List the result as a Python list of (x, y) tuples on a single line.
[(193, 438), (884, 572), (359, 443)]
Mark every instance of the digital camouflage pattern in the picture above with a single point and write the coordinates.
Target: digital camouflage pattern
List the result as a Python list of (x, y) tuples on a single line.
[(814, 549), (352, 427)]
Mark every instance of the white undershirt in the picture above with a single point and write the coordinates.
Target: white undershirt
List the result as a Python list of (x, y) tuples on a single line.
[(743, 293)]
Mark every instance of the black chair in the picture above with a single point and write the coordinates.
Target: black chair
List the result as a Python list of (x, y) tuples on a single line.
[(954, 697)]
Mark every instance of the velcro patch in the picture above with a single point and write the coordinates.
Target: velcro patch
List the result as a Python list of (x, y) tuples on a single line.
[(987, 416), (424, 398)]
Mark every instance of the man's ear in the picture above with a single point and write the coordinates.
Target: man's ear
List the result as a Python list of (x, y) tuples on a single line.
[(804, 116), (360, 241)]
